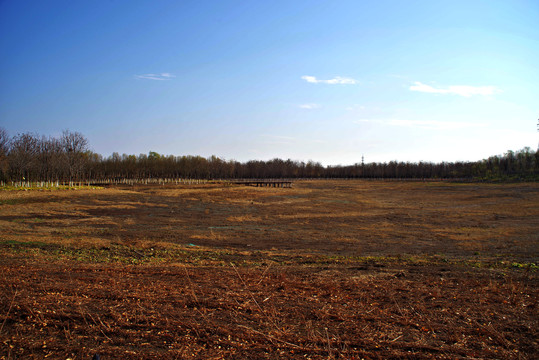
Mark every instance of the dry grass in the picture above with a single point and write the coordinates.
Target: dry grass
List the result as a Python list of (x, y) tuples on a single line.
[(327, 269), (383, 218)]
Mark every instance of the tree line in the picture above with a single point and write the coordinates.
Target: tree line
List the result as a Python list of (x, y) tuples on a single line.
[(30, 157)]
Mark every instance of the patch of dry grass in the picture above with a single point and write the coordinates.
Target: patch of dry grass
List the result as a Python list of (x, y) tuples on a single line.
[(387, 218), (326, 269), (244, 218)]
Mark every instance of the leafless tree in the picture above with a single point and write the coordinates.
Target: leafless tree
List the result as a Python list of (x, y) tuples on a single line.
[(23, 156), (4, 149), (75, 146), (51, 159)]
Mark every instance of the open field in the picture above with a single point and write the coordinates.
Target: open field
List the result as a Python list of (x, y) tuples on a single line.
[(325, 269)]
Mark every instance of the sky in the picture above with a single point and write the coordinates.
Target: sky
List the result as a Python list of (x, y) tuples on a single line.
[(328, 81)]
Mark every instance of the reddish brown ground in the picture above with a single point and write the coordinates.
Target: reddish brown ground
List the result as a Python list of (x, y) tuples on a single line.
[(327, 269)]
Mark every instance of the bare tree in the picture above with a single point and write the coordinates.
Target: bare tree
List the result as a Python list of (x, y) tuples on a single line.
[(4, 149), (75, 146), (51, 159), (23, 158)]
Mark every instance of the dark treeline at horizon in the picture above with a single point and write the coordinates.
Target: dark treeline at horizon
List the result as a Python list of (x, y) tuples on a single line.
[(29, 157)]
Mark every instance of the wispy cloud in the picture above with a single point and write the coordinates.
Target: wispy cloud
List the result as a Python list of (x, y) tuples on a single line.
[(461, 90), (335, 80), (160, 77), (309, 106), (424, 124)]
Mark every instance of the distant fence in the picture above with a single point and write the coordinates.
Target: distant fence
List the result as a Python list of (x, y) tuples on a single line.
[(34, 184), (148, 181), (101, 182), (265, 183), (281, 183)]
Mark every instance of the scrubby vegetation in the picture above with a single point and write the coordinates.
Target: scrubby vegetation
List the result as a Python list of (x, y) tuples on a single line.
[(30, 158)]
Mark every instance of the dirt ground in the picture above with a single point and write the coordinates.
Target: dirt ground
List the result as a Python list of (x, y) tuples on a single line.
[(324, 270)]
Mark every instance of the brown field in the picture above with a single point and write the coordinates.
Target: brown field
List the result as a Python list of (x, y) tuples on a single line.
[(324, 270)]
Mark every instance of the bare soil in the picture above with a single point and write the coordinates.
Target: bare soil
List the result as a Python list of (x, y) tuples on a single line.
[(326, 269)]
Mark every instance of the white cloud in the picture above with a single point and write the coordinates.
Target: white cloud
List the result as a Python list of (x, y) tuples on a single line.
[(335, 80), (309, 106), (162, 76), (425, 124), (461, 90)]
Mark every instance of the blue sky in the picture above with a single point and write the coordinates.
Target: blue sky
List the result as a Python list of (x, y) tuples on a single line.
[(327, 81)]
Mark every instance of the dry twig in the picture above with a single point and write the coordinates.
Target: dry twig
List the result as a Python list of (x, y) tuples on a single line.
[(272, 337), (8, 310)]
